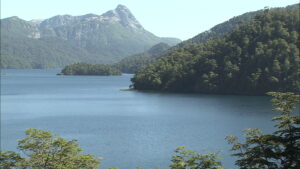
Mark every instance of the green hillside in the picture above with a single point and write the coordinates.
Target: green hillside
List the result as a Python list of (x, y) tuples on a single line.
[(257, 57)]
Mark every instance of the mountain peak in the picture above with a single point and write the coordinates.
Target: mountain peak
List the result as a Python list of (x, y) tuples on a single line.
[(123, 15), (121, 7), (13, 18), (126, 17), (123, 10)]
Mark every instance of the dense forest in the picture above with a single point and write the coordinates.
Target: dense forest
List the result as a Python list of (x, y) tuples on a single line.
[(260, 56), (89, 69), (277, 150)]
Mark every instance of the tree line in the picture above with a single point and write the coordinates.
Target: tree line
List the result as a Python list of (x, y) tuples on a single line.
[(89, 69)]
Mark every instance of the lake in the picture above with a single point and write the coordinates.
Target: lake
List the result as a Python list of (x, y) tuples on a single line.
[(127, 128)]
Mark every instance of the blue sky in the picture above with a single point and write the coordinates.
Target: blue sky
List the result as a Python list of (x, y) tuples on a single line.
[(167, 18)]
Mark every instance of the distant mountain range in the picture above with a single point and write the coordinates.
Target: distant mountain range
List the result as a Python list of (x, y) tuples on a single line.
[(66, 39)]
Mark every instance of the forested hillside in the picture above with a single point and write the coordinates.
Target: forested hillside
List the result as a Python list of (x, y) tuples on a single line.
[(226, 27), (221, 29), (133, 63), (257, 57)]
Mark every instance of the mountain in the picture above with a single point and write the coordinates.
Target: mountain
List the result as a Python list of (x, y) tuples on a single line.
[(256, 57), (217, 31), (22, 47), (131, 64), (66, 39), (221, 29)]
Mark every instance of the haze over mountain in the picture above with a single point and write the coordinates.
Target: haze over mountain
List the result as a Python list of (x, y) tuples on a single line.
[(66, 39)]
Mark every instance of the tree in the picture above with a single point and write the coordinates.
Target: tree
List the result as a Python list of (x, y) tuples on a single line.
[(10, 159), (48, 151), (281, 149), (188, 159)]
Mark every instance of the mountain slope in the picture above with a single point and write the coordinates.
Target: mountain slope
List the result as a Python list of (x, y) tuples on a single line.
[(257, 57), (104, 38), (133, 63), (22, 47)]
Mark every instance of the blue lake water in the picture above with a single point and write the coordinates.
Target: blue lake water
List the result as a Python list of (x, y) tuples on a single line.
[(127, 128)]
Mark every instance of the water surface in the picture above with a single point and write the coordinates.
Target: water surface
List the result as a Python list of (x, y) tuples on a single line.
[(127, 128)]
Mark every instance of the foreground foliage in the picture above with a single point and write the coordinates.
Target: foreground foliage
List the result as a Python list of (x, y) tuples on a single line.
[(44, 150), (281, 149), (188, 159), (89, 69), (258, 57)]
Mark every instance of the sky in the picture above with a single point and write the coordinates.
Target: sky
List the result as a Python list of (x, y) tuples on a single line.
[(165, 18)]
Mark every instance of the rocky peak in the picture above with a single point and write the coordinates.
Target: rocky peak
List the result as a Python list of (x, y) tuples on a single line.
[(36, 21), (110, 14), (120, 14), (14, 18), (122, 8), (59, 20), (127, 18), (123, 15), (90, 15)]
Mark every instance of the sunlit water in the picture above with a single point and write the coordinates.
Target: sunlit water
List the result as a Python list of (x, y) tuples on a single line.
[(127, 128)]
